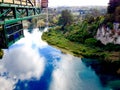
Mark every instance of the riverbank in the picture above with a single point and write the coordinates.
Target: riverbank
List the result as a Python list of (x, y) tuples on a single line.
[(56, 39)]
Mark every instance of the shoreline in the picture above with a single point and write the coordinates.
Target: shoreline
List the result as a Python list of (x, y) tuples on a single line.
[(64, 51), (78, 50)]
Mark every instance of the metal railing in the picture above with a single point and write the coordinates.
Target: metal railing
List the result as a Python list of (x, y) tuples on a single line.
[(21, 2)]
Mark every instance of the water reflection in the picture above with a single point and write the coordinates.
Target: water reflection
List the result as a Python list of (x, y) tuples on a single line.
[(31, 64), (72, 74), (22, 61), (106, 71)]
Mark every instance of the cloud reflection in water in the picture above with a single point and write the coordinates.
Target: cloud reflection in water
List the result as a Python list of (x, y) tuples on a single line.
[(72, 74), (22, 62), (32, 58)]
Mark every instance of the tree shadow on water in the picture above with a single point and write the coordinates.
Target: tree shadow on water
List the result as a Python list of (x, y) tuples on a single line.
[(106, 71)]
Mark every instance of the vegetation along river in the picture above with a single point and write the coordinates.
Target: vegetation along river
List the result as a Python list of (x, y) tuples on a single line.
[(32, 64)]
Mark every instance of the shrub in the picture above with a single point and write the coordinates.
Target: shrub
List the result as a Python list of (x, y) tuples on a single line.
[(110, 25), (112, 47), (91, 41), (99, 44)]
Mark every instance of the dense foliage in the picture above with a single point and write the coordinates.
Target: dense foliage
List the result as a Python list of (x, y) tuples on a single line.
[(117, 14), (66, 18), (91, 42), (81, 31), (114, 10), (77, 33), (79, 37), (56, 37), (112, 47), (112, 5)]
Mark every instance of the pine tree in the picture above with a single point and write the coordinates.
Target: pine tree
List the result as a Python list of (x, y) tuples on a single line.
[(66, 18)]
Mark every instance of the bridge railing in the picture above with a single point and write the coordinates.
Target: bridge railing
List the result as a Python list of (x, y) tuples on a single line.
[(35, 3), (17, 10)]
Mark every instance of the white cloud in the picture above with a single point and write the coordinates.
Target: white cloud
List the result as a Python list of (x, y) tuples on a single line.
[(22, 62), (6, 84), (34, 38), (71, 75)]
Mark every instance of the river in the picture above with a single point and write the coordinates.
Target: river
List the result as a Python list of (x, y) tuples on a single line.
[(32, 64)]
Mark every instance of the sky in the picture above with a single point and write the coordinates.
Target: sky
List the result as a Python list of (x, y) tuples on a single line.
[(56, 3)]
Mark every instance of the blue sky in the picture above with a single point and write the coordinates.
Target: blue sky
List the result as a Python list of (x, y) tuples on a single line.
[(56, 3)]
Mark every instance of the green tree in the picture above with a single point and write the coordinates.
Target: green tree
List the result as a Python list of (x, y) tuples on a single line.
[(55, 20), (91, 41), (41, 23), (66, 18), (117, 14)]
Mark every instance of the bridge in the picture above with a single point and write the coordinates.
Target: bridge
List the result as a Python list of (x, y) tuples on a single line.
[(12, 12)]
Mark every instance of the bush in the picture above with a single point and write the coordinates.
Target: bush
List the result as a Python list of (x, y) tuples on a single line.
[(91, 41), (99, 44), (112, 47), (93, 29), (110, 25), (57, 28)]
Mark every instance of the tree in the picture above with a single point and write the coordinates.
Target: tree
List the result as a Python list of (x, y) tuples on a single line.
[(41, 23), (55, 20), (109, 18), (112, 6), (91, 41), (117, 14), (90, 19), (65, 19)]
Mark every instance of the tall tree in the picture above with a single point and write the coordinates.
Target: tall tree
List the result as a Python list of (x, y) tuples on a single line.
[(117, 14), (112, 5), (66, 18)]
